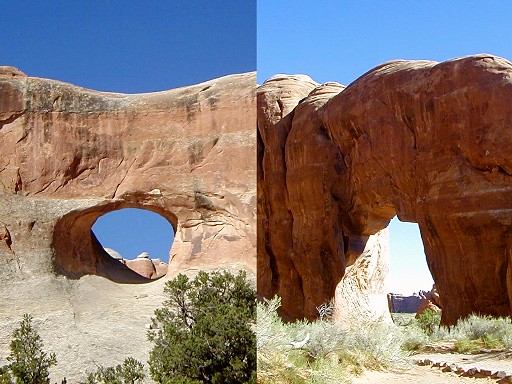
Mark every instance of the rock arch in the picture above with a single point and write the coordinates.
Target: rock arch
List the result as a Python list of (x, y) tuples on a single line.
[(70, 154), (427, 141), (78, 252)]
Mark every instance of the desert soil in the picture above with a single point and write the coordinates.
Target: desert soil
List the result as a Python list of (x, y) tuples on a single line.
[(432, 375)]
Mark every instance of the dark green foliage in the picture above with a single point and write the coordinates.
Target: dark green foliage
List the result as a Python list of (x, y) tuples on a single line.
[(28, 363), (130, 372), (5, 376), (429, 321), (204, 331)]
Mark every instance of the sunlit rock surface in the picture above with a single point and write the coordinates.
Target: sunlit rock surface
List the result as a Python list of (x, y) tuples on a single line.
[(427, 141), (70, 155)]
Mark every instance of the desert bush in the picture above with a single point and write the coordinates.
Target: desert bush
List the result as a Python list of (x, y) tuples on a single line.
[(429, 321), (203, 332), (282, 358), (28, 363), (476, 327), (413, 337), (374, 345), (477, 332), (320, 351), (130, 372), (403, 319), (471, 334)]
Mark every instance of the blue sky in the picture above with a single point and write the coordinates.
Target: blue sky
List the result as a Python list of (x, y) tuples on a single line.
[(340, 40), (131, 231), (129, 47)]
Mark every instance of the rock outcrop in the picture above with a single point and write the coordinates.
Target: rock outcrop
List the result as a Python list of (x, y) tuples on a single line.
[(427, 141), (399, 303), (432, 301), (361, 294), (70, 155), (147, 267)]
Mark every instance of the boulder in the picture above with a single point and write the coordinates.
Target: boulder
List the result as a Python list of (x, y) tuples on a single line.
[(113, 253), (143, 266), (431, 301), (427, 304)]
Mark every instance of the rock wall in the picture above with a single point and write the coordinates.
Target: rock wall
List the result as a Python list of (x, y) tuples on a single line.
[(427, 141), (70, 155)]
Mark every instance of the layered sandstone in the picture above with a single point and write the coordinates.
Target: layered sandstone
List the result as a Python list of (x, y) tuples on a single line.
[(427, 141), (70, 155)]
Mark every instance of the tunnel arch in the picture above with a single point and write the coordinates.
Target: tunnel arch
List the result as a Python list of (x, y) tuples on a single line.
[(139, 238), (77, 251), (427, 141)]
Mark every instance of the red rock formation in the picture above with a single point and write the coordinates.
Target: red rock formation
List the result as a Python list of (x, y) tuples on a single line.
[(70, 155), (427, 141), (143, 266), (427, 304), (361, 293), (399, 303), (276, 100), (184, 153), (431, 301)]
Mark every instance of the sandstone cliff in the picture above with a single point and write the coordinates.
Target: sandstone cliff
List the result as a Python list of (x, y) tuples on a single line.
[(427, 141), (69, 155)]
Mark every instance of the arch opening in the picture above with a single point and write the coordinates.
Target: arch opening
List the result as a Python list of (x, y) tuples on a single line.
[(409, 281), (78, 251), (138, 238)]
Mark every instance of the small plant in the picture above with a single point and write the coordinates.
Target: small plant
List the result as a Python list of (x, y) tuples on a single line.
[(203, 333), (130, 372), (482, 332), (28, 363), (429, 321), (328, 352)]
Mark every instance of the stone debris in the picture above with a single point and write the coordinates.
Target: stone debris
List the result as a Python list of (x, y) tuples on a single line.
[(466, 372)]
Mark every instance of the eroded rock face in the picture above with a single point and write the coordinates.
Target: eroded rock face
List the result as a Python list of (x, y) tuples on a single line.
[(427, 141), (361, 294), (70, 155)]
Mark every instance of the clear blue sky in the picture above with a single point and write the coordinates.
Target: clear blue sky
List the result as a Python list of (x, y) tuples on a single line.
[(132, 231), (130, 47), (340, 40)]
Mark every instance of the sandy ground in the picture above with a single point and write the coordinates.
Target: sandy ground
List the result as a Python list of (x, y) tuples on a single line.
[(431, 375), (418, 375)]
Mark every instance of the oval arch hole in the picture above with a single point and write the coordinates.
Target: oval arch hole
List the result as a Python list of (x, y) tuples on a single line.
[(139, 238)]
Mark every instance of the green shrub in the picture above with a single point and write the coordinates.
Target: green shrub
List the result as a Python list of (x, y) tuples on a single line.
[(28, 363), (429, 321), (130, 372), (478, 332), (476, 327), (413, 337), (203, 332)]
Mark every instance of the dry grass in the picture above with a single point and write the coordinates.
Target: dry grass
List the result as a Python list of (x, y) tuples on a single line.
[(331, 354)]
